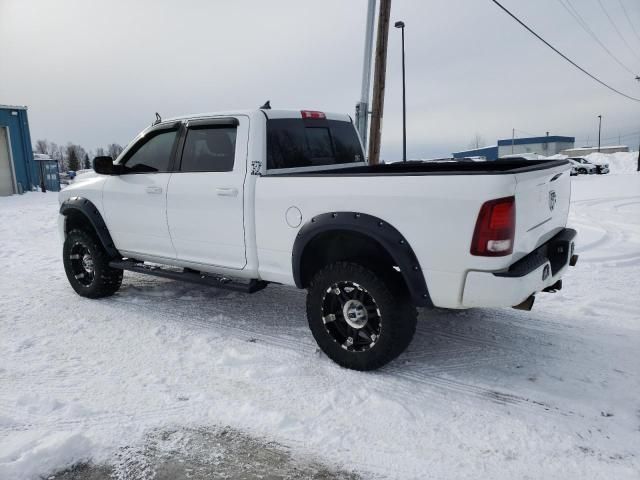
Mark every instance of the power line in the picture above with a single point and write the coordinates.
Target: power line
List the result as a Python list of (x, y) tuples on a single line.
[(563, 55), (578, 18), (622, 136), (615, 27), (626, 14), (615, 137)]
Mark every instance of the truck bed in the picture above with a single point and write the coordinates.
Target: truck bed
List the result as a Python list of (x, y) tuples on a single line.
[(446, 167)]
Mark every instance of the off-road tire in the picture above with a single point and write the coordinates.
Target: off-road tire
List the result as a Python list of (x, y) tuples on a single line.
[(105, 280), (397, 319)]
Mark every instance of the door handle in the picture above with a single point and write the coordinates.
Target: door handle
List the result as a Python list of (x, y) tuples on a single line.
[(227, 192), (154, 189)]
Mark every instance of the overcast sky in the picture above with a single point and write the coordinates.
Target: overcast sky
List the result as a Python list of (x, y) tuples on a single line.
[(94, 72)]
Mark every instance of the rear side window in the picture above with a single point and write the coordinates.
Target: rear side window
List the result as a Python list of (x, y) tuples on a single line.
[(209, 149), (152, 154), (297, 143)]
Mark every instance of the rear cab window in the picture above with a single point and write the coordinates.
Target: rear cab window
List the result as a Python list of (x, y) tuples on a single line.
[(297, 143)]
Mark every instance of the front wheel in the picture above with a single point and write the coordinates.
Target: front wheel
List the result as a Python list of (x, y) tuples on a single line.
[(86, 264), (355, 317)]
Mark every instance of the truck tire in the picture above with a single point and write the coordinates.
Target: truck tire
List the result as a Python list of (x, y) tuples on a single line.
[(356, 318), (86, 264)]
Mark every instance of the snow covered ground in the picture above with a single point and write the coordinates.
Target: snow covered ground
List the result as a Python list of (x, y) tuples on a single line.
[(500, 394)]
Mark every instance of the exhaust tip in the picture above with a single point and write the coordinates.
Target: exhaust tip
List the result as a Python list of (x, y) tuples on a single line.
[(526, 305)]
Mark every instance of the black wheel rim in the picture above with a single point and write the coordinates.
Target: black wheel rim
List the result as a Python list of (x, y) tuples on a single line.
[(351, 316), (82, 266)]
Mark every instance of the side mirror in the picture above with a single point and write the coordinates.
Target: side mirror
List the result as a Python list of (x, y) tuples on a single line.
[(104, 165)]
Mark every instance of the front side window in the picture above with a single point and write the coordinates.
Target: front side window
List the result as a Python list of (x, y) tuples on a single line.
[(209, 149), (153, 155)]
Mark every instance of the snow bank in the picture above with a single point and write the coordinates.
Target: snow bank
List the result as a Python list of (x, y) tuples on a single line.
[(621, 162), (29, 454)]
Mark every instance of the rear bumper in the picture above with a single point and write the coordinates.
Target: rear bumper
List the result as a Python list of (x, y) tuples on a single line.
[(540, 269)]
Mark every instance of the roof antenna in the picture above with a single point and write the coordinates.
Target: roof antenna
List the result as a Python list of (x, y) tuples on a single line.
[(266, 106), (158, 119)]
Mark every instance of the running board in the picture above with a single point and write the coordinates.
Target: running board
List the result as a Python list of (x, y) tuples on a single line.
[(189, 275)]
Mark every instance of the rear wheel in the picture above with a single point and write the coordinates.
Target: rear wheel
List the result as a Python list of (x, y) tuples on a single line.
[(86, 264), (355, 317)]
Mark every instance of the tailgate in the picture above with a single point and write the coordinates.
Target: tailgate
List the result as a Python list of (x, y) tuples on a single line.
[(542, 206)]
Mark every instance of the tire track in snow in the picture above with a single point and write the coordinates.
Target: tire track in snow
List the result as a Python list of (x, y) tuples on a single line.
[(457, 343), (602, 214)]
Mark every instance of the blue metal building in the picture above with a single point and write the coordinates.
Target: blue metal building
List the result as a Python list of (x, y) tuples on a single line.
[(490, 153), (18, 171), (547, 146), (47, 173)]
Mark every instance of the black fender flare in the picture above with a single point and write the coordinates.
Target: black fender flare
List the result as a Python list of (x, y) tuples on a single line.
[(91, 212), (373, 227)]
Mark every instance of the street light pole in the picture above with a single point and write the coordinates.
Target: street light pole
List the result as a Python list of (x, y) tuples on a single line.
[(599, 131), (400, 25)]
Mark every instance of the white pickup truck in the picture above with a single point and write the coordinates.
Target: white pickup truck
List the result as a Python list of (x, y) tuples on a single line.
[(242, 199)]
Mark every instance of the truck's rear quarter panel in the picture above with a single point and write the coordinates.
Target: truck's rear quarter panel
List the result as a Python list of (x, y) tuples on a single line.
[(436, 214)]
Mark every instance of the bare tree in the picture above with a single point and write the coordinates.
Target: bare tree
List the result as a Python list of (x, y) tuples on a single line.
[(100, 152), (42, 146), (477, 142), (113, 150), (57, 154)]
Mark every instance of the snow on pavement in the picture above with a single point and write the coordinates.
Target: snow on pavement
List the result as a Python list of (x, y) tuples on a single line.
[(551, 393)]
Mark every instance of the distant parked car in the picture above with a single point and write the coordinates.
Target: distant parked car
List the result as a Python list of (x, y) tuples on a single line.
[(601, 168), (579, 168)]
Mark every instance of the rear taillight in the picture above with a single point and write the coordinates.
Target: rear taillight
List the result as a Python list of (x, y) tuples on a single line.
[(495, 228), (312, 114)]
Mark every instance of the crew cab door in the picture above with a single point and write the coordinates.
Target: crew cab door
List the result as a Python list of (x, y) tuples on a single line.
[(135, 202), (205, 198)]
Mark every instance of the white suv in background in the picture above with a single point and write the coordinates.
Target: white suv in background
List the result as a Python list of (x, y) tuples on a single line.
[(579, 168), (600, 168)]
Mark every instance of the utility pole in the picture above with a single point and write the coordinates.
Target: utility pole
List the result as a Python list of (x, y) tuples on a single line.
[(599, 131), (362, 107), (513, 139), (379, 75)]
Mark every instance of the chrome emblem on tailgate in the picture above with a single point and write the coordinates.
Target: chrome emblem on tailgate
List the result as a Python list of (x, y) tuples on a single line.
[(552, 200)]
